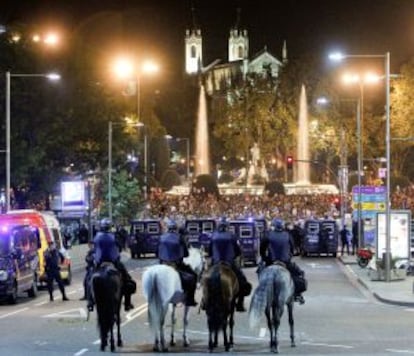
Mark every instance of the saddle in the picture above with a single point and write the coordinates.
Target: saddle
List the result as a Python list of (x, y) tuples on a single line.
[(279, 263)]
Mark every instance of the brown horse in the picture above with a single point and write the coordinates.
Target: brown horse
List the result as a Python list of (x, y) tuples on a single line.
[(220, 290)]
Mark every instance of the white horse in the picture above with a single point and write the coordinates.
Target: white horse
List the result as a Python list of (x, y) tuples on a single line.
[(162, 286)]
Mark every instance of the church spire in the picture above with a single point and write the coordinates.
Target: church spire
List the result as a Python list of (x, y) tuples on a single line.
[(238, 41), (193, 46)]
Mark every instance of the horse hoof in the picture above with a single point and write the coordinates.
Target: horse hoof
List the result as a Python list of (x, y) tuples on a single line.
[(120, 343), (172, 343), (112, 348), (165, 349), (275, 350), (186, 343), (292, 344)]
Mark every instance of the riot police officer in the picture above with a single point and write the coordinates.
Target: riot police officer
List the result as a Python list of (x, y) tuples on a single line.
[(53, 258), (172, 249), (225, 248), (107, 250), (278, 246)]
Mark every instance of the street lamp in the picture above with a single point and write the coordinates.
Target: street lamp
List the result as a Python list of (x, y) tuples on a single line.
[(124, 68), (386, 57), (110, 126), (9, 75), (367, 78)]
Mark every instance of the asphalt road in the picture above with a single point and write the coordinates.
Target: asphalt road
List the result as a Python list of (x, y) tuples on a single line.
[(338, 318)]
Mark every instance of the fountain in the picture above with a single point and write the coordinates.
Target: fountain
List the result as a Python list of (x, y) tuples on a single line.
[(302, 183), (202, 149)]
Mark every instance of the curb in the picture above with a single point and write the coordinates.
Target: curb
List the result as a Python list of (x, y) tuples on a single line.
[(375, 294)]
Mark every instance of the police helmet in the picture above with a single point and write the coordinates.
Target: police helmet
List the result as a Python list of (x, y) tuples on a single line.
[(223, 224), (105, 224), (172, 225), (277, 224)]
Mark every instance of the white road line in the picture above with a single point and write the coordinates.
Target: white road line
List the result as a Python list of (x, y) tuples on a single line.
[(130, 316), (400, 351), (41, 303), (262, 332), (13, 313), (327, 345), (80, 352)]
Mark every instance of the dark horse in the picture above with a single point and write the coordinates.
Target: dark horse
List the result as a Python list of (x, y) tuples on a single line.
[(220, 289), (275, 290), (106, 288)]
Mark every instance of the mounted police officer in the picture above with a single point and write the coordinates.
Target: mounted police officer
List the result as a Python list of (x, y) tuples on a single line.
[(107, 250), (172, 249), (278, 246), (225, 248), (53, 257)]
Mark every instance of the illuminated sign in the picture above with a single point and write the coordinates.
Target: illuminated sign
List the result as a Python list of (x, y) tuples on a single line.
[(73, 195)]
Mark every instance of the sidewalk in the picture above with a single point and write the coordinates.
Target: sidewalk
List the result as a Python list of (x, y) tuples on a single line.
[(397, 292)]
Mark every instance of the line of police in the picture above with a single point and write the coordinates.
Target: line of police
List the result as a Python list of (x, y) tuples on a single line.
[(276, 246)]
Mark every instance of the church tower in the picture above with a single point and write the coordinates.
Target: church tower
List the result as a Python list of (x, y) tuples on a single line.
[(238, 42), (193, 48)]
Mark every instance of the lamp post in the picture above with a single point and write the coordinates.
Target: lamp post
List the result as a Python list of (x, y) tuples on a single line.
[(386, 57), (9, 75), (125, 68)]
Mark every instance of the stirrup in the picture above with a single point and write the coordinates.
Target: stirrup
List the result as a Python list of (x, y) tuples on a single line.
[(299, 298)]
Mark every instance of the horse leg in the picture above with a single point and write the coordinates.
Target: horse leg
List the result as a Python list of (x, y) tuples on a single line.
[(270, 327), (111, 330), (118, 328), (186, 342), (277, 315), (162, 336), (225, 339), (231, 324), (173, 321), (291, 324), (210, 340), (215, 344)]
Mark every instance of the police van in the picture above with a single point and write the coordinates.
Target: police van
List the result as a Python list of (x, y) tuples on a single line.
[(49, 230), (19, 261)]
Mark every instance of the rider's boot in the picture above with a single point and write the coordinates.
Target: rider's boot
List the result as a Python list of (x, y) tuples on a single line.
[(128, 304), (299, 298), (240, 305)]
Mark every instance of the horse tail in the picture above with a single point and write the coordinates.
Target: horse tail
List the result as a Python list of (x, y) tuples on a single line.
[(155, 304), (214, 291), (260, 300)]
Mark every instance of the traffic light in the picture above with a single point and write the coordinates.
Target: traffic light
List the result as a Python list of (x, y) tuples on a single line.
[(289, 162), (337, 203)]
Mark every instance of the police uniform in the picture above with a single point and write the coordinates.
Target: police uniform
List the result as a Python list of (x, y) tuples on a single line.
[(53, 257), (172, 249), (224, 247), (107, 250)]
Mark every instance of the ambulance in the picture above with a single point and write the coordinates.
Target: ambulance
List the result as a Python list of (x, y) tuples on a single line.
[(49, 230)]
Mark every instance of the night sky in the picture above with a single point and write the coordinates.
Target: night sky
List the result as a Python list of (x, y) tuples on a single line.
[(309, 26)]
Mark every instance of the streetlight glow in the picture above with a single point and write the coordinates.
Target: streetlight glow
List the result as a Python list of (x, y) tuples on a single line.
[(51, 39)]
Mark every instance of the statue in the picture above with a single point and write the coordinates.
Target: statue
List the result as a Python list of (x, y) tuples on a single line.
[(255, 152)]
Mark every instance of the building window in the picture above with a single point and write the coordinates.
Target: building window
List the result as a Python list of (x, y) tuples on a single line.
[(193, 52), (240, 52)]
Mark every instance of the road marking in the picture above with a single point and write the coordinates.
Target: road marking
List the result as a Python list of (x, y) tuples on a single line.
[(80, 352), (400, 351), (327, 345), (41, 303), (130, 316), (319, 266), (262, 332), (13, 313), (71, 313)]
